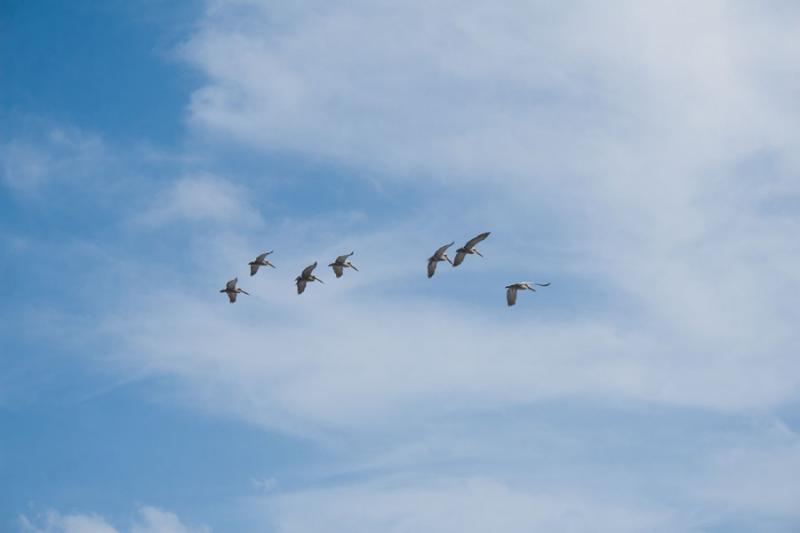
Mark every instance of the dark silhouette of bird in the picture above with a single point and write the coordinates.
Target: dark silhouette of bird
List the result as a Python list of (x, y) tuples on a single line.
[(511, 290), (438, 255), (231, 290), (305, 277), (260, 261), (341, 263), (469, 248)]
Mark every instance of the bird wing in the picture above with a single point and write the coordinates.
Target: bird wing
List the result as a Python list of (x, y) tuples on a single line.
[(543, 284), (441, 250), (511, 295), (231, 285), (231, 296), (301, 286), (308, 270), (431, 268), (460, 255), (253, 268), (261, 257), (476, 239), (342, 258), (338, 270)]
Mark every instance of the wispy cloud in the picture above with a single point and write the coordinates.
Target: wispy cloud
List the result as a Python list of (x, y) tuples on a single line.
[(59, 155), (151, 520), (458, 505), (198, 198)]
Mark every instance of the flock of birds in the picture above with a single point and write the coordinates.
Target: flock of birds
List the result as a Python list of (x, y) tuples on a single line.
[(343, 261)]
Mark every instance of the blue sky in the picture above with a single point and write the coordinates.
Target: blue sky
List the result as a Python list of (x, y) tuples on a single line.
[(641, 157)]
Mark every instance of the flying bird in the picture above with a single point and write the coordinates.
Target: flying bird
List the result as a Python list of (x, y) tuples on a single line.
[(469, 248), (438, 255), (341, 263), (511, 290), (231, 290), (260, 261), (305, 277)]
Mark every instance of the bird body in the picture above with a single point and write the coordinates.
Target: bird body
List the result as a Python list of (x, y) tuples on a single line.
[(469, 248), (305, 277), (341, 263), (231, 290), (511, 290), (438, 255), (260, 261)]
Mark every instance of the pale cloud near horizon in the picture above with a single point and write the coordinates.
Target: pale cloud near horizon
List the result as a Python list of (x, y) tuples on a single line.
[(150, 520)]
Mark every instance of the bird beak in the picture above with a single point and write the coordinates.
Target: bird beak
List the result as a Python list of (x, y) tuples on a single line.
[(353, 267), (320, 281), (448, 259), (477, 252), (270, 264), (244, 292)]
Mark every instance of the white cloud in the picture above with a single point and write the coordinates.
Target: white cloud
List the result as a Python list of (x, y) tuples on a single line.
[(201, 197), (761, 479), (151, 520), (653, 136), (61, 155), (463, 505)]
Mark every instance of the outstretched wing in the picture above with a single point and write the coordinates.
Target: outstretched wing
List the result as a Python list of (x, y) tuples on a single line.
[(543, 284), (308, 270), (301, 286), (511, 295), (476, 239), (459, 258), (431, 268), (442, 250), (231, 296), (338, 270), (342, 258), (261, 257), (231, 285), (253, 268)]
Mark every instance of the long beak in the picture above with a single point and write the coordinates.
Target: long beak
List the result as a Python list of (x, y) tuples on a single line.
[(448, 259), (353, 267), (531, 289), (477, 252), (317, 279), (244, 292), (270, 264)]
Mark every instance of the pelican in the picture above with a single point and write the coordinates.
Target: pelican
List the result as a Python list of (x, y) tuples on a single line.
[(438, 255), (231, 290), (259, 261), (341, 263), (511, 290), (305, 277), (469, 248)]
